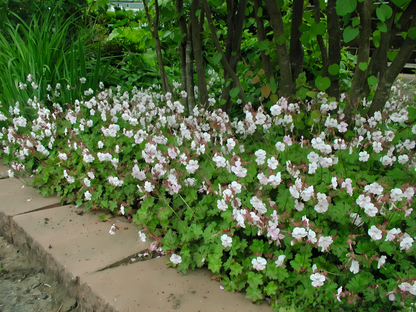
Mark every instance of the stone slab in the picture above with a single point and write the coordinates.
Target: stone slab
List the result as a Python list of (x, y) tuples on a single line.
[(150, 285), (68, 242), (17, 198)]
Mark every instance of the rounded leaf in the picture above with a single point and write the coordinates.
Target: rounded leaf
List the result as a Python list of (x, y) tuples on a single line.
[(333, 69), (344, 7), (234, 92), (372, 80), (350, 33), (265, 91), (322, 83), (384, 12), (363, 66)]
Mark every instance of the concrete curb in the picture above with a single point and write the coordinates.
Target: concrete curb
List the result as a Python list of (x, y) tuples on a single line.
[(95, 267)]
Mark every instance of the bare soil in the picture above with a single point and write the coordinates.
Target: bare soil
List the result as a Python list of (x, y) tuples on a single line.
[(24, 287)]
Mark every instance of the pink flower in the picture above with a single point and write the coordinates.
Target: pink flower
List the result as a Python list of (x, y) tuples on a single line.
[(342, 127)]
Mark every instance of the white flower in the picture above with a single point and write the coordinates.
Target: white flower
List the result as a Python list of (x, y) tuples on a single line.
[(148, 187), (87, 182), (87, 195), (272, 163), (259, 263), (142, 236), (381, 261), (324, 242), (260, 156), (222, 205), (356, 219), (403, 159), (280, 146), (280, 260), (122, 209), (364, 156), (375, 233), (355, 267), (317, 279), (113, 229), (175, 259), (370, 210), (298, 233), (226, 241), (339, 291), (391, 235), (406, 243), (258, 205), (192, 166)]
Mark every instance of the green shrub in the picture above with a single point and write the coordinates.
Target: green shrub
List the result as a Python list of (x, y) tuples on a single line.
[(289, 205)]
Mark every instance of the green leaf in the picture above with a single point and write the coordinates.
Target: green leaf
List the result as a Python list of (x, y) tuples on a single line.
[(382, 27), (302, 93), (355, 21), (372, 80), (376, 38), (236, 269), (255, 279), (234, 92), (333, 69), (392, 55), (412, 33), (263, 45), (257, 246), (384, 12), (350, 33), (343, 7), (214, 262), (271, 288), (363, 66), (254, 293), (322, 83), (281, 39), (217, 58), (260, 12)]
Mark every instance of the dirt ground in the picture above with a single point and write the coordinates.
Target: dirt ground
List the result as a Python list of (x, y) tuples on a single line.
[(24, 287)]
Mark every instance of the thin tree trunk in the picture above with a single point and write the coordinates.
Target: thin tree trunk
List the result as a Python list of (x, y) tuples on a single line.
[(182, 49), (296, 48), (360, 76), (224, 61), (197, 50), (261, 36), (190, 71), (390, 74), (322, 47), (286, 85), (164, 78), (334, 46), (236, 28)]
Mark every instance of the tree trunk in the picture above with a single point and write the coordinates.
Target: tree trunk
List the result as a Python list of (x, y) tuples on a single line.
[(322, 47), (164, 78), (190, 71), (224, 61), (334, 46), (182, 49), (197, 50), (296, 48), (390, 74), (261, 36), (236, 29), (360, 76), (286, 85)]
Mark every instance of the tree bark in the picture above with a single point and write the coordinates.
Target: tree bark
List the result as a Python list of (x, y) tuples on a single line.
[(164, 78), (286, 85), (261, 36), (322, 47), (334, 46), (226, 65), (197, 50), (390, 74), (182, 49), (189, 71), (232, 53), (360, 76), (296, 48)]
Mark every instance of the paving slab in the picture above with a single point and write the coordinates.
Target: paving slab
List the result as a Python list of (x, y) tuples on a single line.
[(16, 198), (150, 285), (69, 243)]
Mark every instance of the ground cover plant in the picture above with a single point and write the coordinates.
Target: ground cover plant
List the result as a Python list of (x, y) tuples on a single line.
[(286, 204)]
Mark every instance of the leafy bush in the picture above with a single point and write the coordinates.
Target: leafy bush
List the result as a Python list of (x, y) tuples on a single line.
[(290, 205)]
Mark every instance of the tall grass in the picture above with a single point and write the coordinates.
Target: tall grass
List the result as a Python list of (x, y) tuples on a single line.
[(44, 50)]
